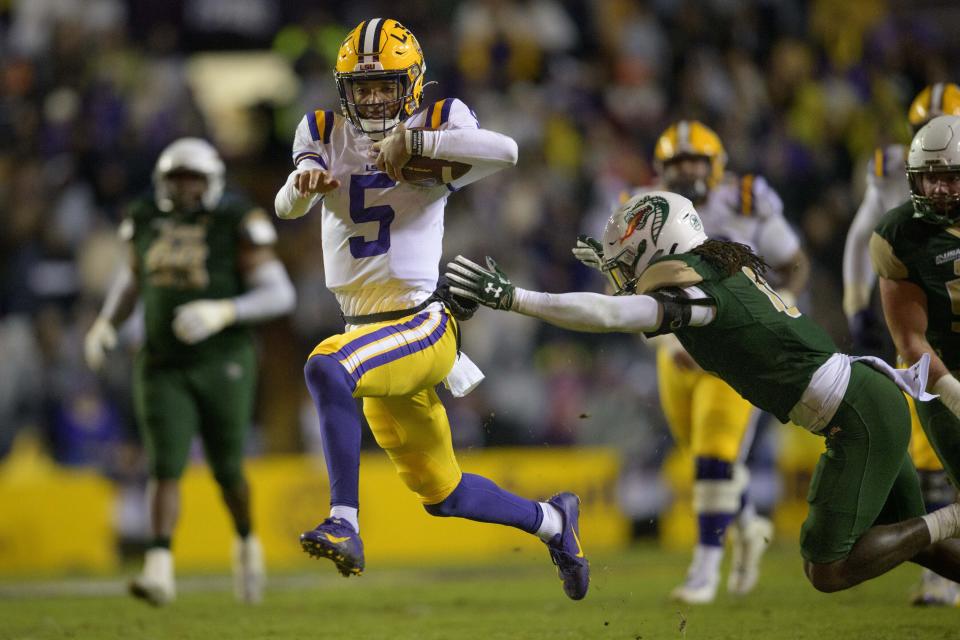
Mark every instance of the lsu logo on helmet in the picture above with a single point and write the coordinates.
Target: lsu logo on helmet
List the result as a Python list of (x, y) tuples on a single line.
[(380, 50)]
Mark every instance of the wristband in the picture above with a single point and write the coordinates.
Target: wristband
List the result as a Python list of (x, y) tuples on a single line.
[(415, 142)]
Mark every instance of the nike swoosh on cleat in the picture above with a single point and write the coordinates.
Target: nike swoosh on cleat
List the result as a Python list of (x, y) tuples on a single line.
[(335, 539), (577, 540)]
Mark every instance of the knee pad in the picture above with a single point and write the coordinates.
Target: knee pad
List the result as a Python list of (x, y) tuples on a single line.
[(719, 486)]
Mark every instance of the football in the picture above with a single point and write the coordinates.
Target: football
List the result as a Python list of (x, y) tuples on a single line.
[(432, 172)]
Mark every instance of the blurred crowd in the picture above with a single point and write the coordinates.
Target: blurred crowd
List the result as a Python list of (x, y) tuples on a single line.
[(92, 90)]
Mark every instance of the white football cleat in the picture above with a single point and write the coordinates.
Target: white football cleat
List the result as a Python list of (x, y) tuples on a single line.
[(703, 577), (697, 589), (935, 591), (249, 573), (155, 584), (748, 544)]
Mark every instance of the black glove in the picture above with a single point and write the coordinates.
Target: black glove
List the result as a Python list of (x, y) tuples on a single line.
[(461, 308)]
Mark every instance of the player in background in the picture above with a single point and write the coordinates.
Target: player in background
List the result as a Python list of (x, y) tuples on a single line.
[(866, 513), (706, 416), (204, 266), (382, 241), (916, 252), (887, 188)]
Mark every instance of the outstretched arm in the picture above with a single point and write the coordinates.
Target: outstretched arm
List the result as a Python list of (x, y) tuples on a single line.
[(579, 311)]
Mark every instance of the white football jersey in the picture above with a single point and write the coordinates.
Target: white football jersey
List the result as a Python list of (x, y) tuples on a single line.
[(887, 188), (382, 240)]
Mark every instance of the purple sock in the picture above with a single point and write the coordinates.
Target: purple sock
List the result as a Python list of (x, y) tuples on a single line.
[(477, 498), (332, 391), (713, 525)]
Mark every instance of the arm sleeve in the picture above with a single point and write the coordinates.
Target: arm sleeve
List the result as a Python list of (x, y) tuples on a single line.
[(461, 139), (270, 293), (858, 273), (307, 154), (597, 313), (289, 204)]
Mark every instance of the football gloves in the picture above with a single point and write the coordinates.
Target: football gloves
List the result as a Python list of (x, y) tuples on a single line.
[(490, 287), (589, 251), (461, 308), (101, 337), (198, 320)]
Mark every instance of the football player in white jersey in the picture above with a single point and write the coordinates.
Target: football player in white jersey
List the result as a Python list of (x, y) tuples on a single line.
[(706, 416), (382, 240), (887, 188)]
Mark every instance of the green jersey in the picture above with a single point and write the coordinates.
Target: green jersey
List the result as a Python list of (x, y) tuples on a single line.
[(766, 351), (184, 257), (928, 255)]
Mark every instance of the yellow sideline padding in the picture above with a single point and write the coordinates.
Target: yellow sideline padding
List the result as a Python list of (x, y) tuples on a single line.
[(56, 521)]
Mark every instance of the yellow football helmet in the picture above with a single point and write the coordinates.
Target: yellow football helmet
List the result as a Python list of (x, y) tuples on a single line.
[(942, 98), (380, 50), (685, 139)]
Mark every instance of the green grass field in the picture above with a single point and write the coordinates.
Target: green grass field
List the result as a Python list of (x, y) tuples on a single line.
[(520, 599)]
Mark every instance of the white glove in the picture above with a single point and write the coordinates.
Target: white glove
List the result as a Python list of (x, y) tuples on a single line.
[(588, 251), (393, 152), (100, 337), (198, 320)]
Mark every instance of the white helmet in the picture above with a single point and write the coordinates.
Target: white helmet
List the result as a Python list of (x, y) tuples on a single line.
[(935, 149), (189, 154), (647, 226)]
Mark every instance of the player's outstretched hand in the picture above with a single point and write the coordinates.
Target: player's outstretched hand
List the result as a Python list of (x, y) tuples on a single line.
[(589, 251), (393, 153), (196, 321), (101, 337), (315, 181), (490, 287)]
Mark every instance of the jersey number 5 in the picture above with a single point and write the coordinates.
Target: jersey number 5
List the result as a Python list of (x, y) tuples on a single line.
[(359, 212)]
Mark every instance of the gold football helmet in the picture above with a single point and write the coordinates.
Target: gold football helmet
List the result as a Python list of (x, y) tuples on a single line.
[(942, 98), (380, 50), (690, 139)]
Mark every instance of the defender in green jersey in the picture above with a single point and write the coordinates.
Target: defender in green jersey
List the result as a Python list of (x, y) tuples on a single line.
[(866, 512), (204, 267), (916, 252)]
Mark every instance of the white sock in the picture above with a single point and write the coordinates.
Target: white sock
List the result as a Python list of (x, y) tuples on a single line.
[(943, 523), (346, 513), (552, 524), (706, 559)]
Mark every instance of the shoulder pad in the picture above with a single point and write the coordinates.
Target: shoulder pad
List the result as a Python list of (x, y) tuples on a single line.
[(886, 162), (438, 113), (449, 110), (746, 201), (668, 272), (321, 125)]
